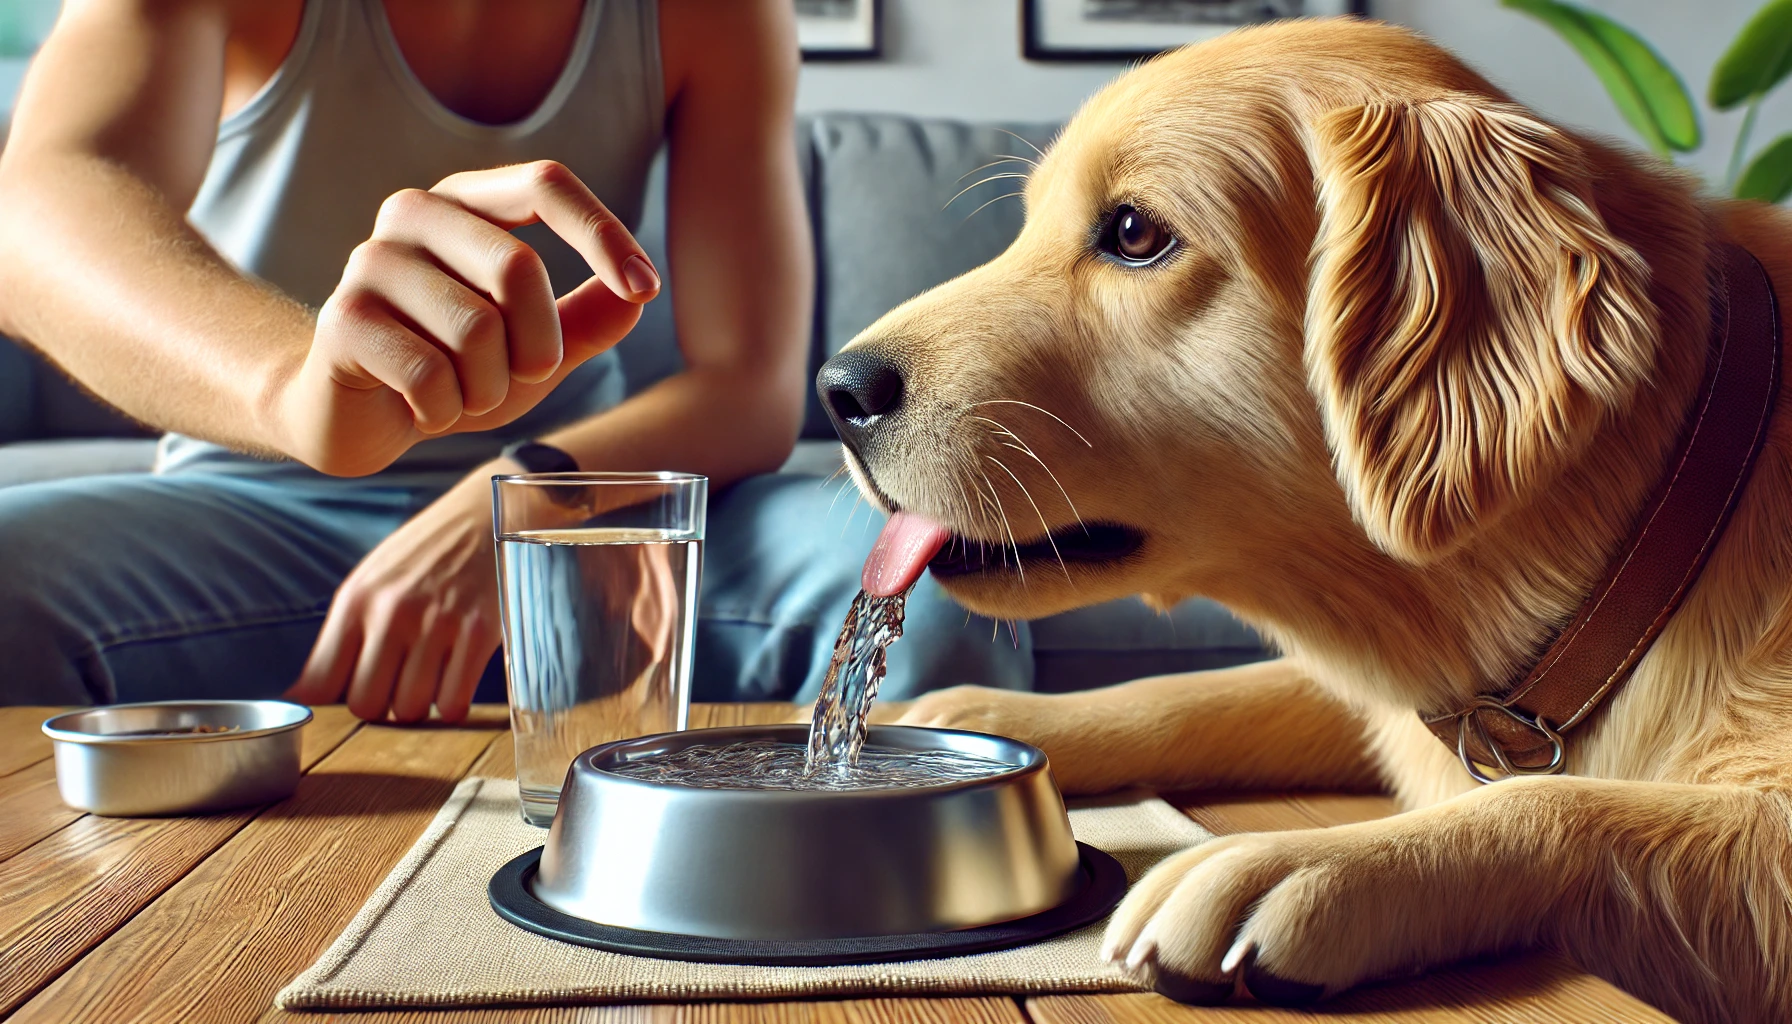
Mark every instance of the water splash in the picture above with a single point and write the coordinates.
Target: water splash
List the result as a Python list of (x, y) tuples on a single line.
[(769, 764), (837, 732)]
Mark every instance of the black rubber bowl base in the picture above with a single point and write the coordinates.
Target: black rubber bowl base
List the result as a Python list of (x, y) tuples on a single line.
[(1103, 884)]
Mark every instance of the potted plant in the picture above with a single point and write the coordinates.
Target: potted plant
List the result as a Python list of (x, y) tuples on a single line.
[(1651, 96)]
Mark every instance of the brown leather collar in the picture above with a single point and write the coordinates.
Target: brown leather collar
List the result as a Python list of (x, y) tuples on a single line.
[(1520, 731)]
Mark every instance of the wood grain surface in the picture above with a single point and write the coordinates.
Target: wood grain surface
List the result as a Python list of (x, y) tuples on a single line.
[(993, 1010), (204, 919), (1226, 813), (30, 807), (25, 743), (221, 941), (69, 890), (1521, 990)]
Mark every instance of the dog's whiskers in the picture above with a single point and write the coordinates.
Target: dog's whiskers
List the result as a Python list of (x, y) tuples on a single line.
[(1024, 141), (971, 514), (989, 518), (1030, 405), (1042, 523), (1022, 447), (854, 511), (836, 501), (1005, 195), (1007, 528), (981, 182), (1029, 161)]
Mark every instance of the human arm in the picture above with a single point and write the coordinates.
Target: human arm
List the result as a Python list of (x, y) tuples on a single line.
[(435, 327), (739, 248), (417, 621)]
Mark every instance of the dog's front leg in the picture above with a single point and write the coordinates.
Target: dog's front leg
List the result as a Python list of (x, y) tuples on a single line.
[(1678, 893), (1261, 726)]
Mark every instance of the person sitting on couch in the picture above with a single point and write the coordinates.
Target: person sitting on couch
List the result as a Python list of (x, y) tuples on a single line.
[(281, 229)]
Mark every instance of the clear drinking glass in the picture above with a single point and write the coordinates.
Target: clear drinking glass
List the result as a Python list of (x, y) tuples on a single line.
[(598, 575)]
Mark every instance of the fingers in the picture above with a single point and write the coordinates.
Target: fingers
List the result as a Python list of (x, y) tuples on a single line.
[(472, 651), (593, 320), (333, 655), (462, 322), (376, 671), (547, 191), (491, 261), (421, 673), (368, 347), (394, 655), (445, 307)]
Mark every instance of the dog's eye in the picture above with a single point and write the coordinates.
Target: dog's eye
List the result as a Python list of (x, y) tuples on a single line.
[(1134, 237)]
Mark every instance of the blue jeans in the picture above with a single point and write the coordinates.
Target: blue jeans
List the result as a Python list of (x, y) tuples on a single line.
[(210, 584)]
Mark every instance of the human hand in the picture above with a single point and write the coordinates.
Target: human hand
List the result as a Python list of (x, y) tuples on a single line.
[(444, 321), (416, 622)]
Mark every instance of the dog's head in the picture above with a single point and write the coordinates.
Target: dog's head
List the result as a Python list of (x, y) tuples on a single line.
[(1307, 284)]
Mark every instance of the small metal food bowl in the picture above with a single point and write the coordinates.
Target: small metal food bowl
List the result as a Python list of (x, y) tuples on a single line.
[(177, 757), (754, 864)]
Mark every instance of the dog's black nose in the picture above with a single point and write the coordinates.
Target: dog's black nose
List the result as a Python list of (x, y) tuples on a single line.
[(857, 387)]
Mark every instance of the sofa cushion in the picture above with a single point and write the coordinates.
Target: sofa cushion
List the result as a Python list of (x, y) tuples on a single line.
[(24, 462), (18, 392), (1121, 640), (880, 193), (815, 457), (887, 225)]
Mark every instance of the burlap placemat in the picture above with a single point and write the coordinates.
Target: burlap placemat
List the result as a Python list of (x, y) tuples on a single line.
[(427, 937)]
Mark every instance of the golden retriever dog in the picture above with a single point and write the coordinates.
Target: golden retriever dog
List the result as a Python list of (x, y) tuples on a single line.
[(1313, 320)]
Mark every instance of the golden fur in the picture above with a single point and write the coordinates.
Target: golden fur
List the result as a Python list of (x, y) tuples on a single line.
[(1395, 399)]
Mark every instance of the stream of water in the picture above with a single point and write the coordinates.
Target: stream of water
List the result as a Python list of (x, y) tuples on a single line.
[(836, 757), (837, 732)]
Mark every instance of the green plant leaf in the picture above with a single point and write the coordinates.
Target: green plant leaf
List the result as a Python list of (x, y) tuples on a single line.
[(1648, 93), (1759, 59), (1769, 175), (1662, 90)]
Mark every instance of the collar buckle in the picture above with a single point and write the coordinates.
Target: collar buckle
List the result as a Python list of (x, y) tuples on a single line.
[(1508, 768)]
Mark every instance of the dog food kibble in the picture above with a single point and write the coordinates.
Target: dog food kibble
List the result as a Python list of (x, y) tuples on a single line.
[(185, 730)]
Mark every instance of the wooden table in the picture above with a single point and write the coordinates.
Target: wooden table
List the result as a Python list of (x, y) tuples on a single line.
[(205, 918)]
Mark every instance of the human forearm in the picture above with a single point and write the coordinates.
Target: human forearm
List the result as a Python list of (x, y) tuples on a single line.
[(721, 424), (131, 302)]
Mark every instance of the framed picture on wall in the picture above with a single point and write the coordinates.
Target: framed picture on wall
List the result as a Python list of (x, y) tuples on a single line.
[(1122, 30), (839, 29)]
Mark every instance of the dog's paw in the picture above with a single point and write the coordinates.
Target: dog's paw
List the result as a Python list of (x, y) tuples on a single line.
[(1299, 915), (1058, 724), (977, 709)]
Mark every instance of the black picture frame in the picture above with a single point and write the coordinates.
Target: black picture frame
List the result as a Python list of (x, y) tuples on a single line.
[(873, 50), (1033, 49)]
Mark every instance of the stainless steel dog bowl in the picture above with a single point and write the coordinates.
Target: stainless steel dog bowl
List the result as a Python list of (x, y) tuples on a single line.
[(134, 760), (782, 865)]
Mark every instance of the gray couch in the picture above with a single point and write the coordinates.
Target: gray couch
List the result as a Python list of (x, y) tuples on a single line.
[(877, 189)]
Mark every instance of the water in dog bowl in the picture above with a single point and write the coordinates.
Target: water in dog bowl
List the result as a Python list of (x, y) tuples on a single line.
[(835, 757), (768, 764)]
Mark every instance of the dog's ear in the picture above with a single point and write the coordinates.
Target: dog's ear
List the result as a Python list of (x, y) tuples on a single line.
[(1471, 320)]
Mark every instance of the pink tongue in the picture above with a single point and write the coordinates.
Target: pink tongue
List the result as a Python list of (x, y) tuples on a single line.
[(901, 554)]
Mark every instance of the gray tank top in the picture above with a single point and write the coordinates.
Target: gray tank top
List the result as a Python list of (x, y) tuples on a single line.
[(298, 175)]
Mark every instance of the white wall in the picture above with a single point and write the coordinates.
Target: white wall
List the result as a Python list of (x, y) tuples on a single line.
[(961, 58), (952, 58)]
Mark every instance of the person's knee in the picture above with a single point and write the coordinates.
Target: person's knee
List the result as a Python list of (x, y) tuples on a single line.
[(45, 648), (41, 648)]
